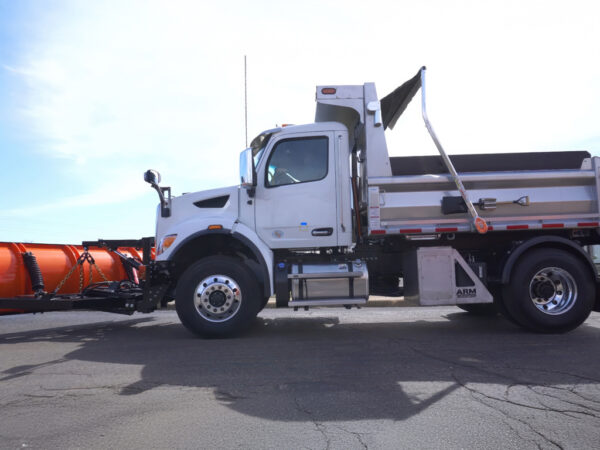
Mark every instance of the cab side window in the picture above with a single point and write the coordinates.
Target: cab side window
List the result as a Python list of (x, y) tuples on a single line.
[(297, 161)]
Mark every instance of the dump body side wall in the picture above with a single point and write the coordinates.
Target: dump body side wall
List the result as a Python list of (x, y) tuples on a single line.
[(534, 199)]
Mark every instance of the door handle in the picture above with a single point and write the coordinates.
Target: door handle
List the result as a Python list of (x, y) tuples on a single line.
[(322, 232)]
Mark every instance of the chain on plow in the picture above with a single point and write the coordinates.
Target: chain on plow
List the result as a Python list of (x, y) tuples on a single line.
[(85, 256)]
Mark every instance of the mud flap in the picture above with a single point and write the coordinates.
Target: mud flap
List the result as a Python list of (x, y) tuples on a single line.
[(440, 276)]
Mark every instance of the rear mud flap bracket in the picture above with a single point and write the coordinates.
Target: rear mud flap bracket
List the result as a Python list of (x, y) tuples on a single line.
[(440, 276)]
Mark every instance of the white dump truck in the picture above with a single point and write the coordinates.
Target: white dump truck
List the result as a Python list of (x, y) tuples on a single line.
[(325, 217)]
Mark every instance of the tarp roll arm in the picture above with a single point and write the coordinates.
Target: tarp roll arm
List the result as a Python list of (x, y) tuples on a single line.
[(480, 224)]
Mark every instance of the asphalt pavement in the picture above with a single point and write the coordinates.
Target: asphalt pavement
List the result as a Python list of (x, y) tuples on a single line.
[(377, 378)]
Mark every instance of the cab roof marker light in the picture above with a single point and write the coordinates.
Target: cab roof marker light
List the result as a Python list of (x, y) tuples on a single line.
[(328, 91)]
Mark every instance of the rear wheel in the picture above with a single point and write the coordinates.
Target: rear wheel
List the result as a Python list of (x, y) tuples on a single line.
[(264, 303), (496, 291), (218, 296), (550, 291)]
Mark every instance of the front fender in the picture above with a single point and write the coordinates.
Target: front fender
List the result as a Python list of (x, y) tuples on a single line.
[(190, 228), (249, 237), (545, 241)]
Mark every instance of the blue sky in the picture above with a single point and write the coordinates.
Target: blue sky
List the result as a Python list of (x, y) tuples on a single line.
[(94, 93)]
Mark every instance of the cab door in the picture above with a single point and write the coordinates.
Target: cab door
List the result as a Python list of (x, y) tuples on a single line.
[(296, 201)]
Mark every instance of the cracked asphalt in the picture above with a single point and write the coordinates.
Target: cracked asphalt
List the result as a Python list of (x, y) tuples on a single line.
[(382, 377)]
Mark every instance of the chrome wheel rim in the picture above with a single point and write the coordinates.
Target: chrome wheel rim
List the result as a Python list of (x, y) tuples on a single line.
[(217, 298), (553, 290)]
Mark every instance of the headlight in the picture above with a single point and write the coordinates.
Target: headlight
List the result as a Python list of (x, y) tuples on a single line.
[(165, 243)]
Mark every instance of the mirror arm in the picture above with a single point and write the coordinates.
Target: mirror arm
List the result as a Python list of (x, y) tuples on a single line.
[(165, 202), (152, 177)]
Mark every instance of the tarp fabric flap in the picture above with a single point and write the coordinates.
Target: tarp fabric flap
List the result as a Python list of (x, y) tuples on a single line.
[(394, 104)]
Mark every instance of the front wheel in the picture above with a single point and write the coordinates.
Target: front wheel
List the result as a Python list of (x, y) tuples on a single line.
[(550, 291), (217, 296)]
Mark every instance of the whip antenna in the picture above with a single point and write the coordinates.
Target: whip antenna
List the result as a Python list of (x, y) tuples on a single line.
[(245, 101)]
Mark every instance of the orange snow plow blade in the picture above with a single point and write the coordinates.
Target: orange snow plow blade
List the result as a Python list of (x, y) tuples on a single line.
[(55, 262)]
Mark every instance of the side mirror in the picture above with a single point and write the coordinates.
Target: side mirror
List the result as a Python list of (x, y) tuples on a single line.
[(247, 172), (152, 176)]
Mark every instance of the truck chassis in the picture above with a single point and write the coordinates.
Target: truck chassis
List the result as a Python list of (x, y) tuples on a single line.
[(484, 232)]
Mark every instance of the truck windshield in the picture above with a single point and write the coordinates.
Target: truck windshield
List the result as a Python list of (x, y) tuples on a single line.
[(259, 143)]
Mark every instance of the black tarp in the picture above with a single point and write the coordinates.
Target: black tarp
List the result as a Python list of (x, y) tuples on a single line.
[(394, 104), (490, 162)]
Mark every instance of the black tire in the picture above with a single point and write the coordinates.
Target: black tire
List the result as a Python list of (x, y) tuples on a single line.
[(550, 291), (480, 309), (264, 303), (496, 291), (218, 296)]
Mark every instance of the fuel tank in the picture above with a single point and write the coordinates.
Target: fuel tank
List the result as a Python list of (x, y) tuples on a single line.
[(55, 261)]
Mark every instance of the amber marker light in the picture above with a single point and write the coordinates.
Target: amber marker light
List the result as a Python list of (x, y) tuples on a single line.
[(165, 243), (215, 227), (328, 91)]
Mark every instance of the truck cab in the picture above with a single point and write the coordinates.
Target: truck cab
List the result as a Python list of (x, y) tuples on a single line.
[(305, 166)]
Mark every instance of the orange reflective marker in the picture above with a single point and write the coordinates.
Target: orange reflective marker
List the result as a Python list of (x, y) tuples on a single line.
[(481, 226)]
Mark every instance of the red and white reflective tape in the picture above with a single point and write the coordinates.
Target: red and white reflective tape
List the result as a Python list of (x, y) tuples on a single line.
[(492, 227)]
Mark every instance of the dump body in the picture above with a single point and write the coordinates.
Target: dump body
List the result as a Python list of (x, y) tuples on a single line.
[(429, 194), (556, 190)]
